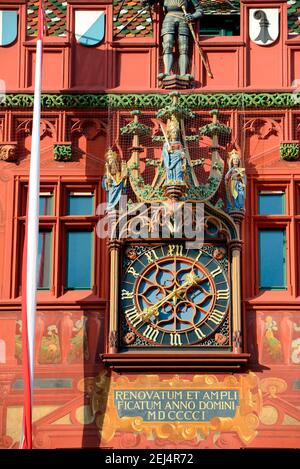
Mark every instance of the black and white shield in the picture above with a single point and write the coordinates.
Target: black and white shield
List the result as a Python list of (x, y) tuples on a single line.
[(264, 25)]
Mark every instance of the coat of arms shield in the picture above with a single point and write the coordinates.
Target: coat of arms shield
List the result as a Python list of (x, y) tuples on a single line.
[(8, 27), (89, 27), (264, 25)]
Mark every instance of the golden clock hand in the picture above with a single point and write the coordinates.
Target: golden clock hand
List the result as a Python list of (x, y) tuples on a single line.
[(153, 310), (191, 279)]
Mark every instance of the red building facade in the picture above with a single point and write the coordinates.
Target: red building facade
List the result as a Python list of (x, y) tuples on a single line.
[(89, 92)]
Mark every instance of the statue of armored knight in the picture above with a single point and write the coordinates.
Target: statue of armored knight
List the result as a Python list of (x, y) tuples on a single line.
[(175, 26)]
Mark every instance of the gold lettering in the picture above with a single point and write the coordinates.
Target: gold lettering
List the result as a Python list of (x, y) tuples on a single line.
[(132, 271), (149, 255), (223, 294), (176, 249), (126, 294), (199, 333), (151, 333), (179, 250), (216, 316), (175, 340), (199, 255), (133, 316), (216, 272), (171, 249)]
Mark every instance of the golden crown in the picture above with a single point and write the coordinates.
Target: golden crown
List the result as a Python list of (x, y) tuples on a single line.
[(173, 125), (110, 155), (232, 155)]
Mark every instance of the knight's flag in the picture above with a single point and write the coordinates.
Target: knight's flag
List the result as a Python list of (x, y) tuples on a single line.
[(30, 254)]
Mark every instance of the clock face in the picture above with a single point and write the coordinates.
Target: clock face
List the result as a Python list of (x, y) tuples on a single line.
[(172, 296)]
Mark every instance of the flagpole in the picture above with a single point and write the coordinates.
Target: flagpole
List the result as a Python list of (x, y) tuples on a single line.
[(30, 256)]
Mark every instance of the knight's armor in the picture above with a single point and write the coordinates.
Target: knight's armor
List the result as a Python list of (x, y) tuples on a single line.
[(176, 24)]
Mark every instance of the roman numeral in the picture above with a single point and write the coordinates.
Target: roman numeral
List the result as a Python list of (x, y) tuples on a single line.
[(199, 255), (216, 316), (199, 333), (149, 255), (133, 316), (151, 333), (223, 294), (125, 294), (175, 249), (132, 271), (175, 340), (216, 272)]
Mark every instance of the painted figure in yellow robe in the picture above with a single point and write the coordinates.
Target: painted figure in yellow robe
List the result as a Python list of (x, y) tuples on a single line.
[(271, 343)]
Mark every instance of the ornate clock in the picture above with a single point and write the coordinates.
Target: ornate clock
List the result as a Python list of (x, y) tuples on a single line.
[(174, 297), (175, 304)]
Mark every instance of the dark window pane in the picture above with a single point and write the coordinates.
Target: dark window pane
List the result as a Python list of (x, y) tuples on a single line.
[(220, 25), (44, 260), (46, 204), (79, 259), (272, 259), (271, 203), (79, 204)]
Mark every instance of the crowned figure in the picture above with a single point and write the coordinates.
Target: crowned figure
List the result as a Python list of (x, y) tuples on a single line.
[(173, 154), (235, 182), (114, 179)]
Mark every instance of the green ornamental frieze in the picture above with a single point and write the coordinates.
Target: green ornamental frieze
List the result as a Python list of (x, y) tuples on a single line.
[(62, 151), (135, 127), (289, 151), (154, 101)]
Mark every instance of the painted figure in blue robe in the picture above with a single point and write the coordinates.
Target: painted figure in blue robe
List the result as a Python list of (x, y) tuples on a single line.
[(235, 183), (173, 154), (114, 180)]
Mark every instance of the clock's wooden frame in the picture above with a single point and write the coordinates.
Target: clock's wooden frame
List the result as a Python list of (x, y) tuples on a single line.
[(178, 360)]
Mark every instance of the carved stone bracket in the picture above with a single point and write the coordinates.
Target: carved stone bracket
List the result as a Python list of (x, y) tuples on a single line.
[(237, 215), (175, 191), (235, 244), (8, 152), (176, 82), (62, 151)]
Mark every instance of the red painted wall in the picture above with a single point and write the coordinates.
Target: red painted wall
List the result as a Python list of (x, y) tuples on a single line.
[(131, 65), (236, 62)]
